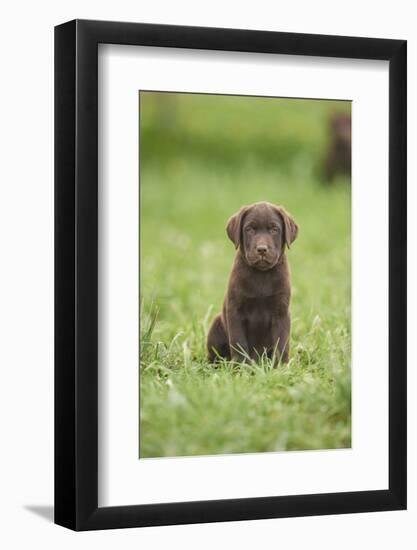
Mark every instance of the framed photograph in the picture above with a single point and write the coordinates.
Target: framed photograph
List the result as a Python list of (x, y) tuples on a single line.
[(230, 255)]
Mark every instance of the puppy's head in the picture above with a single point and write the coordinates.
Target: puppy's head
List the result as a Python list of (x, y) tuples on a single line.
[(260, 232), (341, 128)]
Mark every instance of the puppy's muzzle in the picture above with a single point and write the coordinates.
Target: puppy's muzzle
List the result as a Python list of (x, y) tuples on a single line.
[(262, 249)]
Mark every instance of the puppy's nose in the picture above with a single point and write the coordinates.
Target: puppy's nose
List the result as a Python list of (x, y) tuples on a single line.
[(261, 248)]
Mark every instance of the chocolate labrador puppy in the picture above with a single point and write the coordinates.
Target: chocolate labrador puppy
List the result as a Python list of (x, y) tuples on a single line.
[(338, 160), (256, 310)]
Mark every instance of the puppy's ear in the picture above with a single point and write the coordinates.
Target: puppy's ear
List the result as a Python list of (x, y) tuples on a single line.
[(234, 226), (290, 227)]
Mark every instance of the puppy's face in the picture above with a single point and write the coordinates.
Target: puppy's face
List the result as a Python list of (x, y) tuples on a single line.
[(262, 236), (261, 232)]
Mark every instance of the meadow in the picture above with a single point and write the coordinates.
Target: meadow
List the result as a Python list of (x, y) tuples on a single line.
[(201, 159)]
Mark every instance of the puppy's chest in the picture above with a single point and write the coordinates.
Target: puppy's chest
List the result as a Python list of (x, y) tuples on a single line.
[(257, 313)]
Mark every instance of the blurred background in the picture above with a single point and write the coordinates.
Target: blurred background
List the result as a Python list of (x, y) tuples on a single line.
[(201, 158)]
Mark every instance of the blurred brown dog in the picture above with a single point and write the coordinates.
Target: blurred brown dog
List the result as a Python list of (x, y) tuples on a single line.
[(256, 310), (338, 160)]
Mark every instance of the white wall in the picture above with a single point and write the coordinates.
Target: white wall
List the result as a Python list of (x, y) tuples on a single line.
[(26, 289)]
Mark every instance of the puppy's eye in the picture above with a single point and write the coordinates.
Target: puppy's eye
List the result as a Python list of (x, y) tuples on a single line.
[(250, 229), (273, 229)]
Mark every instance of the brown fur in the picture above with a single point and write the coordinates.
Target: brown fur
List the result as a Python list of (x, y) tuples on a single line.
[(338, 160), (256, 310)]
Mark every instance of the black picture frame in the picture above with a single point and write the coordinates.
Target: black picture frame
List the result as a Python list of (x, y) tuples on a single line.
[(76, 272)]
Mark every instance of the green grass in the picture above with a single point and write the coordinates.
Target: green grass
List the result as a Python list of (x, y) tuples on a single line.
[(188, 407)]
